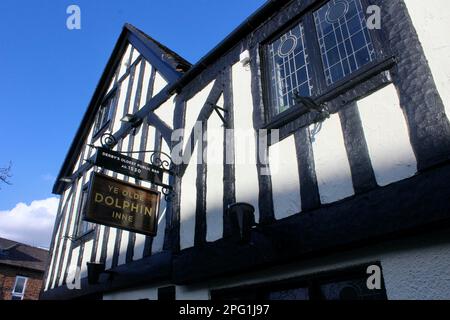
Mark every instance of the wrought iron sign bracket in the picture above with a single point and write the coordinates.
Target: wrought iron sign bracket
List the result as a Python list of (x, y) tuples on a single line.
[(159, 160), (217, 109), (321, 109)]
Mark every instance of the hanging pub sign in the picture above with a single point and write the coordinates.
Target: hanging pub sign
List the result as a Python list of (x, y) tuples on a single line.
[(122, 205), (128, 166)]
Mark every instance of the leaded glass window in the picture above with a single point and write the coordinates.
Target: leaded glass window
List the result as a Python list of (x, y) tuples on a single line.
[(289, 69), (344, 39)]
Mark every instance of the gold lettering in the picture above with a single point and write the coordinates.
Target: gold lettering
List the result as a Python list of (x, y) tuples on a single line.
[(122, 217), (109, 201), (134, 207), (117, 204), (98, 198)]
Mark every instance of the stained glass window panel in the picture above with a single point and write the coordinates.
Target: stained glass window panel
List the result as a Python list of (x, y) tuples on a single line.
[(345, 42), (289, 69)]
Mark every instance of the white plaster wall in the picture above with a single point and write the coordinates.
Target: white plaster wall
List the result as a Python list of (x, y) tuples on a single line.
[(214, 177), (188, 203), (134, 55), (193, 108), (432, 22), (87, 252), (246, 173), (387, 136), (160, 83), (150, 146), (134, 89), (331, 162), (121, 104), (124, 61), (72, 267), (166, 110), (418, 273), (145, 82), (285, 178)]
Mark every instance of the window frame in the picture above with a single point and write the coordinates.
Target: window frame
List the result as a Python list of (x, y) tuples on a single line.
[(321, 91), (111, 99), (20, 295), (265, 72), (78, 232)]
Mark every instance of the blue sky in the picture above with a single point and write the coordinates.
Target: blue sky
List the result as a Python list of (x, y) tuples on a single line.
[(49, 73)]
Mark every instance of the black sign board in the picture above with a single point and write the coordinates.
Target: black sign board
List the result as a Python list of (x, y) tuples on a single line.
[(128, 166), (122, 205)]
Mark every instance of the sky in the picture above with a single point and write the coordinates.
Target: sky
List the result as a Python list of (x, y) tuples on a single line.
[(48, 76)]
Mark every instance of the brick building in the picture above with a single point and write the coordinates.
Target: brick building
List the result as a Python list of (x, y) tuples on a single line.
[(21, 270)]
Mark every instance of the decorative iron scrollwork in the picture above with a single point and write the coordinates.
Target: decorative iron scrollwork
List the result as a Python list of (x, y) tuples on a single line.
[(108, 141), (157, 160)]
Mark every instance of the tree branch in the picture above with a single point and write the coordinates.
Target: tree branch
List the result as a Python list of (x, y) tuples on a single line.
[(5, 174)]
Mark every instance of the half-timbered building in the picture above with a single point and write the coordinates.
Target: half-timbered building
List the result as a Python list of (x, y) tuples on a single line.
[(350, 184)]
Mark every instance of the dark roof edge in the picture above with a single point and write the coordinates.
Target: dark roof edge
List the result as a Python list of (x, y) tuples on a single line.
[(246, 27), (17, 243)]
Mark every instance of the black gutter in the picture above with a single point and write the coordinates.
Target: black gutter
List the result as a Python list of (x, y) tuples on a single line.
[(245, 28)]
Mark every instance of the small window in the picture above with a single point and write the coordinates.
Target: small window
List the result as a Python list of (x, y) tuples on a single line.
[(289, 69), (345, 42), (105, 113), (83, 227), (19, 288)]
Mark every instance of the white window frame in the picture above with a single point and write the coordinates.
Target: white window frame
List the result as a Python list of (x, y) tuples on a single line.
[(19, 294)]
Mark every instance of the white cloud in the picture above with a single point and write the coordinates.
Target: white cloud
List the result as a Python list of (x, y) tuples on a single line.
[(31, 224)]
